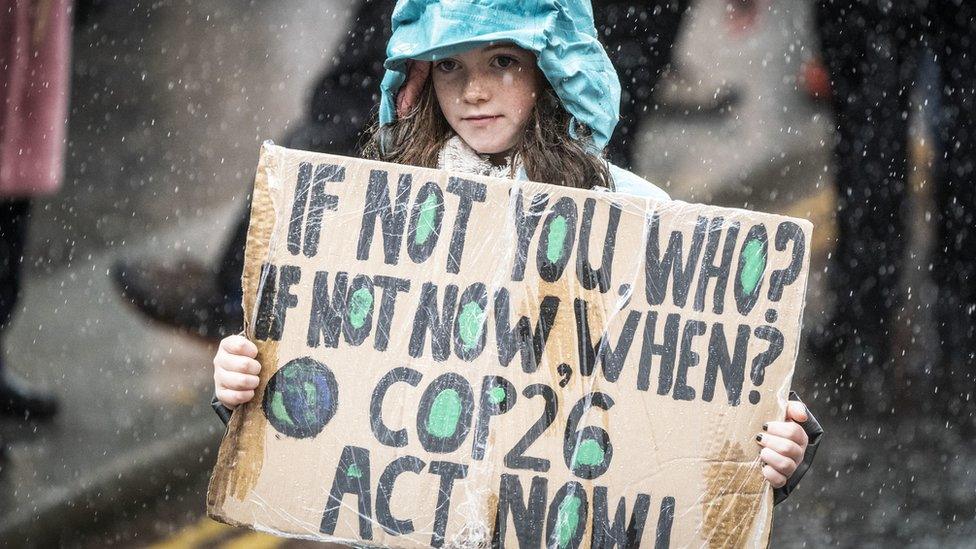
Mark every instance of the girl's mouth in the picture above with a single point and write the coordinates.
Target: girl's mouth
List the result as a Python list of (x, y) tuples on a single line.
[(481, 120)]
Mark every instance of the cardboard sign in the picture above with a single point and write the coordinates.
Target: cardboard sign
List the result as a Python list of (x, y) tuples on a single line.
[(453, 360)]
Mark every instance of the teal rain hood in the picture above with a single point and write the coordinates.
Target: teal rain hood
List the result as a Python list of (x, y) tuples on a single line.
[(560, 32)]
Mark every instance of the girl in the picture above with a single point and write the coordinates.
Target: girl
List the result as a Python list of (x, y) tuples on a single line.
[(508, 88)]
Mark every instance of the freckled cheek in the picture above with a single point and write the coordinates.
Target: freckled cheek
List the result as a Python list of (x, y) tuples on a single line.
[(447, 93)]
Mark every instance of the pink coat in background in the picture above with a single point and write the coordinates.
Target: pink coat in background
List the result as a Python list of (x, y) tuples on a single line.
[(35, 43)]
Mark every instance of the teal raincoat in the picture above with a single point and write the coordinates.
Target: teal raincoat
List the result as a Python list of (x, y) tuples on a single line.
[(560, 33)]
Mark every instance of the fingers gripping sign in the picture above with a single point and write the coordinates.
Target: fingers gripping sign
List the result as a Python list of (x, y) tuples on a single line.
[(236, 371), (783, 444)]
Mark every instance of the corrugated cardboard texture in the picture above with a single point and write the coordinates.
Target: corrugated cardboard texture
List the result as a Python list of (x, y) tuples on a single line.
[(450, 360)]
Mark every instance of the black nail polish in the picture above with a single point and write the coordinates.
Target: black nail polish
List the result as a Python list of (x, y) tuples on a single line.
[(759, 437), (765, 426)]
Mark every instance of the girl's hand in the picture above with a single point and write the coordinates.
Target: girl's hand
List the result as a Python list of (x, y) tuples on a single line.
[(784, 444), (235, 371)]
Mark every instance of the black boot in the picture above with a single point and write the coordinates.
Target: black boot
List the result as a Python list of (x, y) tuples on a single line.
[(185, 295), (19, 400)]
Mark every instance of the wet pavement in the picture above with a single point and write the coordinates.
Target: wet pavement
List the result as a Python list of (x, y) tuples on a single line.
[(165, 128)]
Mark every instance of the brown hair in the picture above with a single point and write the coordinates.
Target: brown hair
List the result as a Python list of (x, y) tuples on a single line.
[(546, 147)]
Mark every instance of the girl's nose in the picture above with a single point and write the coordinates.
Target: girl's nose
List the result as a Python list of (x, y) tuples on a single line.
[(476, 90)]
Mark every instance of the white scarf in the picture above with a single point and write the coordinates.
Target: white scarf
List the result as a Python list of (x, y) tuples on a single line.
[(457, 156)]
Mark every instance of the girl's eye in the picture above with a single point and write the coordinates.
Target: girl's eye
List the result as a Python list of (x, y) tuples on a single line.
[(504, 61), (447, 65)]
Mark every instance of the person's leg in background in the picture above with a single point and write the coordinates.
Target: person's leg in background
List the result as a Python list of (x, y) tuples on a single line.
[(13, 228), (15, 399), (869, 61), (13, 236), (208, 301), (35, 47), (639, 38), (954, 254)]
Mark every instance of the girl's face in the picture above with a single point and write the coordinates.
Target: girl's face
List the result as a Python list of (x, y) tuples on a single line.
[(487, 95)]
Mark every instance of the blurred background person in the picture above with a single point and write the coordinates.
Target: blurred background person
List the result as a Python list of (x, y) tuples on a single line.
[(872, 51), (35, 41)]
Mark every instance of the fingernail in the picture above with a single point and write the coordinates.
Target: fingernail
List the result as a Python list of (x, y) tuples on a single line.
[(765, 426), (759, 437)]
